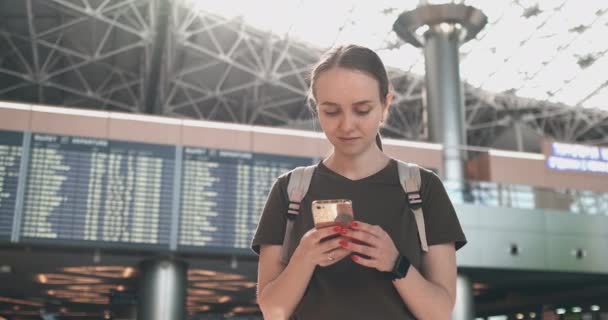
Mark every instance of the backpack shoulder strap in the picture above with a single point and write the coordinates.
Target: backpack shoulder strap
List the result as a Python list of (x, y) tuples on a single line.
[(410, 179), (299, 181)]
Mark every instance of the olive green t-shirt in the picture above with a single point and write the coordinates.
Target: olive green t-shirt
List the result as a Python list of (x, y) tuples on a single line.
[(347, 290)]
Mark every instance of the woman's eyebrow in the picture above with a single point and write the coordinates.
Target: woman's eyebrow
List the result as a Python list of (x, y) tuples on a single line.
[(329, 103), (362, 102)]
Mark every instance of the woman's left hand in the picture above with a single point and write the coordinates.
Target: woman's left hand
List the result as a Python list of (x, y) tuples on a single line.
[(374, 243)]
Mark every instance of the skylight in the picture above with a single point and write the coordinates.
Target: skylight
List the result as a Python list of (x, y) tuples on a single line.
[(548, 50)]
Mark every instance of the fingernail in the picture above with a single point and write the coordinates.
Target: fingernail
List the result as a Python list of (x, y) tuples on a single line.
[(354, 258), (343, 243), (354, 224), (338, 229)]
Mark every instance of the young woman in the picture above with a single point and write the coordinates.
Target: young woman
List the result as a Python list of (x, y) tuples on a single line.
[(352, 276)]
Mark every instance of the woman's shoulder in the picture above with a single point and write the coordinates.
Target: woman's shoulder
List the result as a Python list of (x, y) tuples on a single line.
[(428, 177), (425, 173), (283, 180)]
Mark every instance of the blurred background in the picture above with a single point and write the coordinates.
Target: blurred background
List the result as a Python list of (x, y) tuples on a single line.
[(138, 136)]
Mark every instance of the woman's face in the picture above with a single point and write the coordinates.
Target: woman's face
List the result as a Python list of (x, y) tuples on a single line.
[(350, 109)]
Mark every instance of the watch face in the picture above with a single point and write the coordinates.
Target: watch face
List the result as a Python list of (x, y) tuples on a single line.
[(401, 267)]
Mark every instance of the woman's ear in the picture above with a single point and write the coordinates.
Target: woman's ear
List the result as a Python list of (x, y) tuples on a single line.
[(389, 100)]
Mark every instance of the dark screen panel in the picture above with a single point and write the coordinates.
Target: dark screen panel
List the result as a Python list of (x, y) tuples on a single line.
[(223, 193), (98, 190), (10, 159)]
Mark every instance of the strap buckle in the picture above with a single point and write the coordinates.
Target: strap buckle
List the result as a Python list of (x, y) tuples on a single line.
[(293, 210), (414, 200)]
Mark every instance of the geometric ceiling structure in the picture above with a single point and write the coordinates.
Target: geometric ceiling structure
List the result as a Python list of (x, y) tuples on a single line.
[(536, 64)]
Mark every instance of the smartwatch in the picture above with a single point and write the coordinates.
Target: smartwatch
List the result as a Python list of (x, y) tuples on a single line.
[(402, 265)]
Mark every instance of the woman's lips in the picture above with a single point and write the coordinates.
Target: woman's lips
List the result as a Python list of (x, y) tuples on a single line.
[(349, 139)]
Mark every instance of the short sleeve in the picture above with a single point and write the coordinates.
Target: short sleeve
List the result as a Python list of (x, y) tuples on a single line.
[(271, 227), (440, 219)]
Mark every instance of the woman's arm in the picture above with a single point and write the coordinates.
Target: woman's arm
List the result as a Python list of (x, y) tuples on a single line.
[(280, 287), (431, 295)]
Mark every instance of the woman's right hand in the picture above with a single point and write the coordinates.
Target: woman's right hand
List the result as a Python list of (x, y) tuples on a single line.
[(314, 251)]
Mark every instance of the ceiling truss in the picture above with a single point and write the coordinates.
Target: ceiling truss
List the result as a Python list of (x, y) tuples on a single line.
[(99, 54)]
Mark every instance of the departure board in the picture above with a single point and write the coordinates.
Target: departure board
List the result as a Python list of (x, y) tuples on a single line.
[(98, 190), (223, 193), (10, 159)]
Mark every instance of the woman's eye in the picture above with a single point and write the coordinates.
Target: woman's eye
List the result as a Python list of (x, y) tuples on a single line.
[(331, 113), (362, 112)]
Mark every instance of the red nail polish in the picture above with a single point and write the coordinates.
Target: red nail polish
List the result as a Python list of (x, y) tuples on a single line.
[(354, 224), (338, 229), (343, 243), (354, 258)]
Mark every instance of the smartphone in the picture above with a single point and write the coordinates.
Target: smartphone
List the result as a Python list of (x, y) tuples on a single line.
[(332, 212)]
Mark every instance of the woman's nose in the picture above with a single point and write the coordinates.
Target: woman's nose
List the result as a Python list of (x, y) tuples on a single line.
[(347, 122)]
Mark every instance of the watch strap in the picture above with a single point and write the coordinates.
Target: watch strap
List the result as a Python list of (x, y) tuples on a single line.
[(400, 268)]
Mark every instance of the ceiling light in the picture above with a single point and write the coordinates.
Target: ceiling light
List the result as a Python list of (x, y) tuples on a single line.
[(199, 308), (5, 268), (480, 286), (519, 316), (59, 278), (242, 309), (19, 301), (102, 271), (595, 308), (42, 278), (128, 272), (199, 292), (532, 315), (560, 311)]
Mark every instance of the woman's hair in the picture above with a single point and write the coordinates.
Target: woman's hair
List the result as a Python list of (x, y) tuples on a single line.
[(356, 58)]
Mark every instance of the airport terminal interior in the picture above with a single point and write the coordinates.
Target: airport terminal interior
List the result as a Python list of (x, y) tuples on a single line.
[(139, 140)]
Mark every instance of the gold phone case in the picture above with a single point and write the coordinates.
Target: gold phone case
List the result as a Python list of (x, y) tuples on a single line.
[(327, 213)]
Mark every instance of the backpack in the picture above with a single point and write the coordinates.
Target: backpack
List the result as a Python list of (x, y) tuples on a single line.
[(299, 181)]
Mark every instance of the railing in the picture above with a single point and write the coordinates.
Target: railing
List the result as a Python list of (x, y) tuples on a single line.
[(494, 194)]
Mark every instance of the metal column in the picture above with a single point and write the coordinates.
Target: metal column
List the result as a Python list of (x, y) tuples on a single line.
[(463, 309), (162, 290), (440, 30), (444, 98)]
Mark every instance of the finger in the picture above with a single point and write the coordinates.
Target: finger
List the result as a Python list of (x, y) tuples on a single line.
[(322, 233), (362, 236), (366, 227), (370, 263), (334, 256), (360, 249), (339, 254), (330, 245)]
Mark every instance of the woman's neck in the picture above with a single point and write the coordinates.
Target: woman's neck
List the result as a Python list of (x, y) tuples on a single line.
[(359, 166)]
